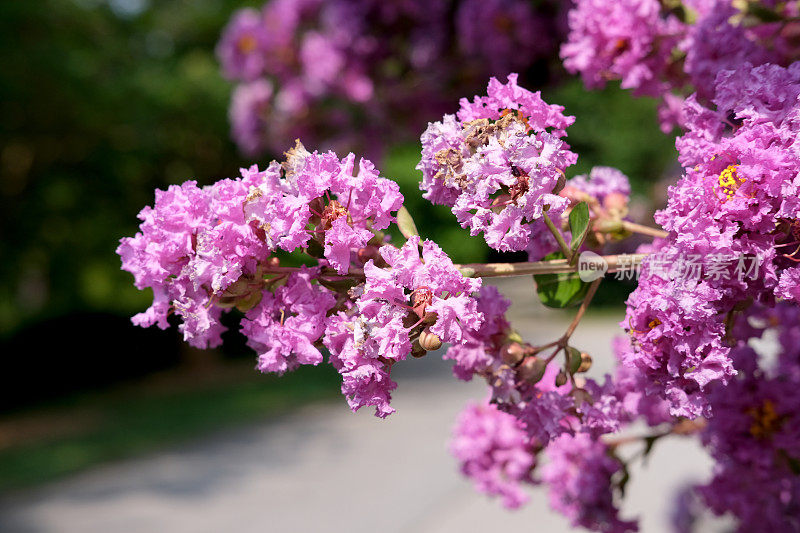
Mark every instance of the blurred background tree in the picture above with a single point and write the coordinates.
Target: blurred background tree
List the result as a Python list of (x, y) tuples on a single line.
[(105, 100)]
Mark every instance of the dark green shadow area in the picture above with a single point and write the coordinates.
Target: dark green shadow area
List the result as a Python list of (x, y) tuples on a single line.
[(89, 429)]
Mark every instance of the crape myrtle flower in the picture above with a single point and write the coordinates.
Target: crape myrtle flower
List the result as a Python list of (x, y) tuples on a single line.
[(343, 70), (346, 207), (494, 451), (410, 304), (524, 384), (753, 436), (284, 327), (735, 201), (477, 353), (606, 191), (629, 40), (579, 475), (243, 46), (499, 162), (197, 254), (206, 250), (668, 49), (249, 115)]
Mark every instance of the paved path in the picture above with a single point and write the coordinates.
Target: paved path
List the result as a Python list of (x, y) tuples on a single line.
[(323, 469)]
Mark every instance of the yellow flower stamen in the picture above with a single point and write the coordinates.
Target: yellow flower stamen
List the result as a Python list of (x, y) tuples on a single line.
[(247, 44), (729, 181)]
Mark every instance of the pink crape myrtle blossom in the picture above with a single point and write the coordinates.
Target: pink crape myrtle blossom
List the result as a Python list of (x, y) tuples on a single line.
[(628, 40), (342, 71), (494, 451), (194, 250), (671, 49), (346, 206), (753, 436), (414, 296), (732, 203), (285, 325), (499, 163), (579, 476)]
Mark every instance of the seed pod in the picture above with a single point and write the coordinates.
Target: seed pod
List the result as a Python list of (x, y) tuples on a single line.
[(417, 350), (429, 341), (586, 362), (512, 353), (532, 369), (561, 379)]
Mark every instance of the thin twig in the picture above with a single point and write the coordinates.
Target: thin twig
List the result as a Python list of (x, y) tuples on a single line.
[(582, 310), (555, 266), (557, 234), (644, 230)]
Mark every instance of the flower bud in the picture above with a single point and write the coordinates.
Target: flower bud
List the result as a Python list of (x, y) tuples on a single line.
[(429, 341), (561, 379), (417, 350), (532, 369), (586, 362), (512, 353)]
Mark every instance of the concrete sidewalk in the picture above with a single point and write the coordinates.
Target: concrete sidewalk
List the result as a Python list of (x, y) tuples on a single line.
[(324, 469)]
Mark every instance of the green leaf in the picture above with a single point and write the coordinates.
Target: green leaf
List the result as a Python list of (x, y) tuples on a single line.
[(560, 290), (578, 225), (315, 249), (574, 362), (405, 223)]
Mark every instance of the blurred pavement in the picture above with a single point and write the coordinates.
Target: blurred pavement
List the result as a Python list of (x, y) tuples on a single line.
[(324, 469)]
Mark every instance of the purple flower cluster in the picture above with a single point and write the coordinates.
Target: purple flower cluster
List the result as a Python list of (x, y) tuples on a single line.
[(295, 57), (198, 255), (662, 49), (494, 451), (697, 356), (735, 200), (410, 304), (579, 475), (345, 206), (628, 40), (206, 250), (533, 407), (499, 163), (753, 435), (606, 191)]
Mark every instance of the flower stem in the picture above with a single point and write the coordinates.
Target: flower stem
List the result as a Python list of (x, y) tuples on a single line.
[(644, 230), (555, 266), (559, 238), (582, 310)]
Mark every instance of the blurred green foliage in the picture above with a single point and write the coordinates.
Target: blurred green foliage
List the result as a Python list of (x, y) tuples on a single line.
[(101, 103), (104, 100)]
